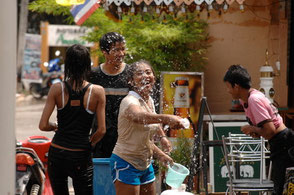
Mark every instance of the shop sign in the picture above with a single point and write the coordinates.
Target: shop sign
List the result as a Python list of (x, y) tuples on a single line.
[(31, 71), (66, 35), (31, 57)]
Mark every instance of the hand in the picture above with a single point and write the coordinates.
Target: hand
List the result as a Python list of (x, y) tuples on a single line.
[(93, 145), (250, 130), (166, 145), (166, 160), (175, 122), (54, 126), (255, 135)]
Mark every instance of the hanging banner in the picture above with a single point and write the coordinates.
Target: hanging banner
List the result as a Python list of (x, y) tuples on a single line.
[(31, 71), (32, 57)]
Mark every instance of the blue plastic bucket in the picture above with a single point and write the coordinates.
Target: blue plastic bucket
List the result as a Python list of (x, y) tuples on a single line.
[(102, 180), (176, 174)]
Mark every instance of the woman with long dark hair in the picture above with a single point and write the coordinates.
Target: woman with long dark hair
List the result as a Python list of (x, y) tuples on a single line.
[(130, 162), (77, 101)]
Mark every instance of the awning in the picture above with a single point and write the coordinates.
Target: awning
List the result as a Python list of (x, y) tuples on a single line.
[(159, 7)]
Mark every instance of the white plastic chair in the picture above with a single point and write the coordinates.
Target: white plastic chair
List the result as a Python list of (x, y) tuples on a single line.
[(239, 150)]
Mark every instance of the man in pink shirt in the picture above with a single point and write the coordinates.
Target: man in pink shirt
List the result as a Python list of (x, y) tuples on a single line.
[(264, 121)]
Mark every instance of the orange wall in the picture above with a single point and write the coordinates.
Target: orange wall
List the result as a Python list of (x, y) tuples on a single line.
[(242, 38)]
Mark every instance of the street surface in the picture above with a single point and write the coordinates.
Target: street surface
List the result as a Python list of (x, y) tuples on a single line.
[(27, 115)]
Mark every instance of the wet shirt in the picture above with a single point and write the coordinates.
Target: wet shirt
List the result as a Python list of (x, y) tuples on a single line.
[(74, 122), (260, 110), (116, 88), (135, 141)]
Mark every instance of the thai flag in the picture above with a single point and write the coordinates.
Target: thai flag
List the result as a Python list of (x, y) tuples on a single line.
[(84, 11)]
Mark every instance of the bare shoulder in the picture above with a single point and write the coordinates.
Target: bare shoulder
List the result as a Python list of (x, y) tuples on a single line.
[(56, 88), (98, 90)]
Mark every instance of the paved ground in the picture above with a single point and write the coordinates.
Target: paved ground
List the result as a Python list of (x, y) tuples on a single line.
[(27, 116)]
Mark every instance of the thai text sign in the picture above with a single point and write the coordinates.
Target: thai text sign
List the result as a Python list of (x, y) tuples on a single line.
[(67, 35)]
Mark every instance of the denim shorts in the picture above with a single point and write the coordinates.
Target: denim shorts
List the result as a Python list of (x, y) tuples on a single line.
[(126, 173)]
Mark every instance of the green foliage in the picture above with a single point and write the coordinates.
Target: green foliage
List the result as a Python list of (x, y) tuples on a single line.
[(49, 7), (170, 45), (175, 45), (182, 151)]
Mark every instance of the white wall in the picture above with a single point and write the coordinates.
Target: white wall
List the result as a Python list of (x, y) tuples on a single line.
[(8, 23)]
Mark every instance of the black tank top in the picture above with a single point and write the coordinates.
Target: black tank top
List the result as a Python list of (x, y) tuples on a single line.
[(74, 122)]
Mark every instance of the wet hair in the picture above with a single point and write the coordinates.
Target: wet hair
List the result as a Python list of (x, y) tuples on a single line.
[(134, 67), (77, 65), (237, 74), (109, 39)]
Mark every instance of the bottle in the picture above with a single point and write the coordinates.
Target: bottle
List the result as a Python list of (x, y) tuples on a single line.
[(182, 107)]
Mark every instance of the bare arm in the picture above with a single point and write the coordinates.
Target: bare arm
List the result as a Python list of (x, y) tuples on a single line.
[(136, 114), (165, 143), (161, 156), (44, 124), (267, 130), (100, 113)]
